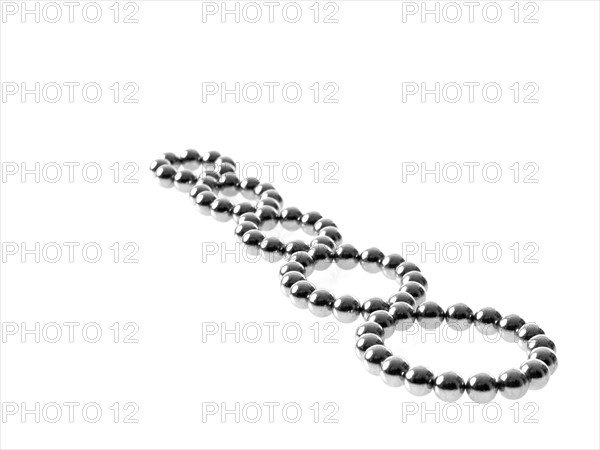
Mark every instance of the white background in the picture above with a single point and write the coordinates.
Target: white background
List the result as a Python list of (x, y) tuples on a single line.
[(368, 135)]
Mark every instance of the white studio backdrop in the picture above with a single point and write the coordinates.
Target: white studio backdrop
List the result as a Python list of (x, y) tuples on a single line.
[(461, 135)]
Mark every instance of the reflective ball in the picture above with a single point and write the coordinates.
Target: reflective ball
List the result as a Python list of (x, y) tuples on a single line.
[(290, 218), (304, 259), (513, 384), (296, 246), (346, 309), (539, 341), (154, 165), (322, 223), (486, 321), (537, 373), (185, 180), (250, 217), (385, 320), (308, 220), (374, 356), (459, 317), (429, 315), (197, 189), (547, 356), (268, 217), (404, 268), (449, 386), (364, 342), (415, 290), (526, 332), (370, 259), (242, 228), (372, 305), (481, 388), (252, 239), (190, 159), (210, 157), (165, 175), (419, 380), (403, 315), (240, 209), (369, 327), (262, 188), (322, 256), (320, 302), (393, 370), (389, 264), (269, 202), (172, 158), (332, 233), (415, 276), (291, 266), (299, 293), (289, 279), (203, 202), (221, 209), (325, 241), (509, 325), (228, 184), (271, 249), (247, 187), (346, 256), (402, 297), (272, 194)]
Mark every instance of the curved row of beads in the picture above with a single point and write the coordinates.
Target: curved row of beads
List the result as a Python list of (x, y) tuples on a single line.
[(533, 374)]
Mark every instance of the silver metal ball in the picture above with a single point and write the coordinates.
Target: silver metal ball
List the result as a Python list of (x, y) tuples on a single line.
[(221, 209), (364, 342), (346, 256), (289, 279), (539, 341), (268, 217), (403, 268), (184, 180), (290, 218), (513, 384), (403, 315), (322, 256), (291, 266), (459, 317), (252, 239), (154, 165), (250, 217), (247, 187), (416, 290), (308, 221), (369, 327), (322, 223), (486, 321), (509, 325), (271, 249), (526, 332), (346, 309), (242, 228), (320, 302), (370, 259), (324, 240), (449, 386), (333, 233), (299, 293), (374, 356), (374, 304), (197, 189), (385, 320), (228, 184), (203, 201), (482, 388), (304, 259), (389, 264), (241, 209), (418, 380), (404, 297), (547, 356), (537, 373), (295, 246), (416, 276), (429, 315), (190, 159), (393, 370)]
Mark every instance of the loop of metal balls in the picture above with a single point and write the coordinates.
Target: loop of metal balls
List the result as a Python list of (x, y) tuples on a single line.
[(395, 371), (205, 176)]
